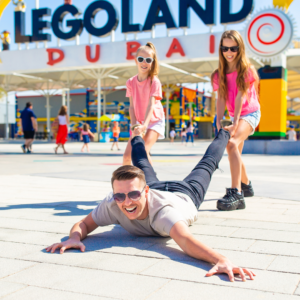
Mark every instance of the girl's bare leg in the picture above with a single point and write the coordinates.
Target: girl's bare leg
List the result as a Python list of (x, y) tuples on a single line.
[(87, 148), (82, 149), (65, 152), (117, 144), (234, 155), (127, 154), (112, 147), (150, 139), (245, 178)]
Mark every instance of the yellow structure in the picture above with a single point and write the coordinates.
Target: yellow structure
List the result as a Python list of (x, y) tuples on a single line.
[(273, 92), (282, 4)]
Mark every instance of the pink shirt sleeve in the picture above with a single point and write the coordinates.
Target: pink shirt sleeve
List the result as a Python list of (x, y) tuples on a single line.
[(215, 82), (155, 90), (128, 88)]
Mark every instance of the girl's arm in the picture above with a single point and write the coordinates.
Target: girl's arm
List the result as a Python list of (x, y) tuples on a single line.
[(91, 134), (220, 111), (148, 114), (67, 118), (131, 112), (237, 112)]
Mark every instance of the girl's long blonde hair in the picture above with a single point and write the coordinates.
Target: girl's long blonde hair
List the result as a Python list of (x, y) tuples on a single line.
[(243, 66), (154, 67)]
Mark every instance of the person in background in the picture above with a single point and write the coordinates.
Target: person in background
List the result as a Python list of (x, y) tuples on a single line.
[(29, 127), (85, 137), (172, 135), (190, 133), (116, 132), (62, 133), (183, 135), (145, 92), (292, 136), (236, 81)]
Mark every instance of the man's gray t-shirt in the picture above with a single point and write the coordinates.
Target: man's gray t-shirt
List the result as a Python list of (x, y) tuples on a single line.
[(165, 209)]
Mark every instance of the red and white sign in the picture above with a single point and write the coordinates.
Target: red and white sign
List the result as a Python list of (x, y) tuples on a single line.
[(269, 33), (186, 48)]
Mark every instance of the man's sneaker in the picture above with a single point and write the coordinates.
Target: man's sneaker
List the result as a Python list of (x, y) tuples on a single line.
[(28, 151), (248, 189), (232, 200), (23, 148)]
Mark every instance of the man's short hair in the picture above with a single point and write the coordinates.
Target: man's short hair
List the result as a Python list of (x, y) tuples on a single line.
[(128, 173), (28, 104)]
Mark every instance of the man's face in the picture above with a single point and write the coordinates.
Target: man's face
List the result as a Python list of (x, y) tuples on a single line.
[(132, 209)]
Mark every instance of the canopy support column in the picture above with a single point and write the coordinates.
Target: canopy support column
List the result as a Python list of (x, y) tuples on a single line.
[(68, 104), (63, 97), (98, 108), (6, 119), (168, 94), (48, 114), (104, 103)]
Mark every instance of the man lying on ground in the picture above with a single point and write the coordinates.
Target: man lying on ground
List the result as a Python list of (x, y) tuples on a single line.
[(145, 206)]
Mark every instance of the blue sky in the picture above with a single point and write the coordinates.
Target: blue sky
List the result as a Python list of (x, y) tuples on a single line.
[(140, 9)]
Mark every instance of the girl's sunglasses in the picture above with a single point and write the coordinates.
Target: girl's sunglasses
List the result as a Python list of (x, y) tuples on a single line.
[(148, 60), (232, 49), (134, 196)]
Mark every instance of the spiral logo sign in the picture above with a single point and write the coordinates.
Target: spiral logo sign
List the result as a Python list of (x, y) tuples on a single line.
[(269, 33)]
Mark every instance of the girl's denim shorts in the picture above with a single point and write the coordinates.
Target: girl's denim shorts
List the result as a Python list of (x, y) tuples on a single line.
[(252, 119)]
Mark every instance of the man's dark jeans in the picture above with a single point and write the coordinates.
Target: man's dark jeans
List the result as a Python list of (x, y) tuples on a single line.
[(196, 183)]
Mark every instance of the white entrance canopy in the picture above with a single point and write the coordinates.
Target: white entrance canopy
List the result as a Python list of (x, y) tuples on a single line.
[(184, 59)]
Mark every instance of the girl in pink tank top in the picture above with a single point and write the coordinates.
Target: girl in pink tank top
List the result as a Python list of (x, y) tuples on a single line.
[(236, 81), (144, 91)]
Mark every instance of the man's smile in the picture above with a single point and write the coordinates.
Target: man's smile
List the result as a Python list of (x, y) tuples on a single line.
[(131, 210)]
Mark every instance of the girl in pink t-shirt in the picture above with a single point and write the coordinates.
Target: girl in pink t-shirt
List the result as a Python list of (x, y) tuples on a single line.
[(144, 91), (236, 81)]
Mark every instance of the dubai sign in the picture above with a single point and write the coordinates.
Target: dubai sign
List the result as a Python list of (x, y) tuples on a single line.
[(159, 13)]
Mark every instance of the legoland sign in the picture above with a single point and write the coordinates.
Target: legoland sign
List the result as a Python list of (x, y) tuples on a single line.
[(158, 13)]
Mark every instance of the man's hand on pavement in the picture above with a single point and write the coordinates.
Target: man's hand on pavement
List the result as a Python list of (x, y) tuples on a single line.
[(225, 266), (70, 243)]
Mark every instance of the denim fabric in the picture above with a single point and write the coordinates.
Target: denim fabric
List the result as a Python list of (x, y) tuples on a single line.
[(196, 183), (252, 119)]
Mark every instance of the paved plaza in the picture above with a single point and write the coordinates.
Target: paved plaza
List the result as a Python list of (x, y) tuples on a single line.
[(42, 195)]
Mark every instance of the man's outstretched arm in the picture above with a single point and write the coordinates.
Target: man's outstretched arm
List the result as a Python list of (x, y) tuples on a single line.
[(190, 245), (78, 232)]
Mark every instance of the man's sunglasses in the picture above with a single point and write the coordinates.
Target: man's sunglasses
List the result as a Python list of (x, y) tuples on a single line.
[(134, 196), (232, 49), (148, 60)]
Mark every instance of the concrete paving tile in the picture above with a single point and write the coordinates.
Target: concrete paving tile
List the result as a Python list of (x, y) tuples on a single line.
[(286, 264), (218, 242), (261, 225), (97, 282), (267, 235), (165, 251), (16, 250), (239, 215), (276, 248), (195, 271), (33, 225), (212, 230), (32, 292), (180, 290), (94, 260), (11, 266), (30, 237), (297, 292), (208, 221), (7, 288), (249, 260)]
